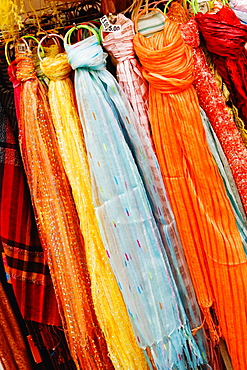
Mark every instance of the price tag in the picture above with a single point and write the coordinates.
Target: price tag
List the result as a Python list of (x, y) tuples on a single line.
[(105, 22), (108, 26), (113, 28), (21, 48)]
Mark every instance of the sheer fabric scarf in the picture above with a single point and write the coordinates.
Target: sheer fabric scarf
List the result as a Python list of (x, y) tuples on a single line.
[(58, 222), (107, 298)]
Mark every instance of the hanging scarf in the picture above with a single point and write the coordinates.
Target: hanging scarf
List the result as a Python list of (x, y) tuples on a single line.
[(120, 45), (205, 220), (226, 175), (211, 100), (58, 222), (131, 80), (108, 301), (25, 260), (225, 37), (127, 225)]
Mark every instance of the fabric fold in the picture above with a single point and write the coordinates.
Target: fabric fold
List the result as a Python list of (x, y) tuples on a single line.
[(129, 232), (108, 302), (130, 78), (13, 356), (205, 220), (58, 222), (226, 37)]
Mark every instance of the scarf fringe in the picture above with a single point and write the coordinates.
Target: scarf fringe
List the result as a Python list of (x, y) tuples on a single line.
[(178, 351)]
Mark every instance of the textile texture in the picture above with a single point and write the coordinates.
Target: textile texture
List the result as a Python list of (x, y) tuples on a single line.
[(130, 78), (107, 298), (130, 234), (230, 55), (13, 356), (25, 260), (58, 222), (214, 251)]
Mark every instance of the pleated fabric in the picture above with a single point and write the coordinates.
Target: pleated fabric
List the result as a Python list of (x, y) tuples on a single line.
[(225, 37), (25, 262), (130, 78), (204, 216), (58, 222), (226, 175), (211, 100), (108, 302), (128, 69), (130, 234)]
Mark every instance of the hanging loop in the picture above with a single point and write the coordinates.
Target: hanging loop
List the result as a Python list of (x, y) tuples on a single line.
[(53, 36)]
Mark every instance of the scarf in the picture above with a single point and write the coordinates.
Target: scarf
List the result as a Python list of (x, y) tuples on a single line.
[(107, 298), (229, 54), (135, 87), (130, 234), (214, 252), (58, 222), (13, 351)]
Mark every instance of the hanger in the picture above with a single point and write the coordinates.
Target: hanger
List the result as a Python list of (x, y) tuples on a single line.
[(81, 11), (53, 36), (36, 40), (14, 40), (67, 37), (6, 49), (92, 24), (167, 4)]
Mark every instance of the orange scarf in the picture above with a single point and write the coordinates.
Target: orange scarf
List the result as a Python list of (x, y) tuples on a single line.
[(58, 223), (202, 209)]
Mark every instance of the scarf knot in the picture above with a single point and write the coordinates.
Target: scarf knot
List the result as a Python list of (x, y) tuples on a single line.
[(56, 68), (86, 54), (167, 61)]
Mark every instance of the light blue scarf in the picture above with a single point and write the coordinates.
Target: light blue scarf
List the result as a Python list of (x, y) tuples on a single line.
[(131, 237)]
